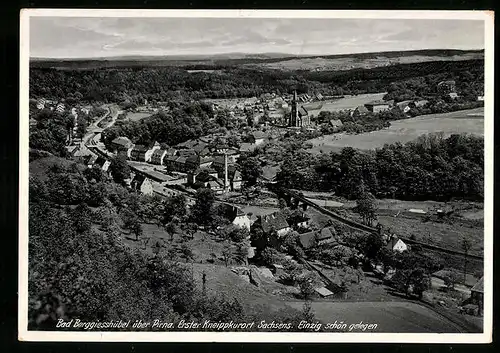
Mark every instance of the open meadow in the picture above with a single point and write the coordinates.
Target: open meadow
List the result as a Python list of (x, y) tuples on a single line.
[(464, 121), (347, 102)]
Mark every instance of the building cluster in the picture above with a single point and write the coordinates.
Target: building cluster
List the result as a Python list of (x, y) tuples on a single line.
[(203, 162)]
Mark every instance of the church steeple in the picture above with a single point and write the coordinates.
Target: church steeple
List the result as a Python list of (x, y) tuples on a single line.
[(294, 113)]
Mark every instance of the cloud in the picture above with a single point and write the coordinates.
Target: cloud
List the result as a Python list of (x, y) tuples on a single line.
[(96, 37)]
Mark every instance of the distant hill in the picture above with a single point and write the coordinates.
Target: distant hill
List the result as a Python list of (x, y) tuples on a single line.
[(269, 60)]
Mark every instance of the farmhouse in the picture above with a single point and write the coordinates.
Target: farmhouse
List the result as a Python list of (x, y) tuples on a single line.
[(102, 163), (378, 106), (236, 181), (404, 106), (396, 244), (274, 222), (360, 111), (142, 184), (336, 123)]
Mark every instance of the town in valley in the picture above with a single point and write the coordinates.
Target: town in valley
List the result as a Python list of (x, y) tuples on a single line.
[(296, 190)]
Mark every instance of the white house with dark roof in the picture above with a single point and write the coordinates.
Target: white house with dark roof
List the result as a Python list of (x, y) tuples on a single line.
[(158, 156)]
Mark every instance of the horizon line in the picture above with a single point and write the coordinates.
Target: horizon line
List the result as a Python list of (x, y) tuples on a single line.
[(285, 54)]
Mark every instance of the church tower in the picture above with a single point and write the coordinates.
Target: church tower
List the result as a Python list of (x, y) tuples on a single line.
[(294, 115)]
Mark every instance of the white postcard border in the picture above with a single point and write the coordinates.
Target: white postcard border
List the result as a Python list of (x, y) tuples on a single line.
[(292, 337)]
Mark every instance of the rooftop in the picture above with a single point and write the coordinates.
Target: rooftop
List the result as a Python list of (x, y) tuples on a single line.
[(479, 286), (274, 221)]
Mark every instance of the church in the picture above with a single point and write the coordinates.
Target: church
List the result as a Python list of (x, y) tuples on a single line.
[(299, 117)]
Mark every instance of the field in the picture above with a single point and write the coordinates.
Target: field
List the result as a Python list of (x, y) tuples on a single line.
[(465, 121), (136, 116), (403, 317), (349, 63), (348, 102)]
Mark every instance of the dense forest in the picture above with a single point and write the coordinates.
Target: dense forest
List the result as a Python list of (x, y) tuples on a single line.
[(430, 168), (171, 83)]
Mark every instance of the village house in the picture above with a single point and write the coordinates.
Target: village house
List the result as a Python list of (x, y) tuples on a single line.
[(404, 106), (102, 163), (236, 216), (217, 186), (122, 144), (419, 103), (378, 106), (246, 147), (192, 162), (158, 156), (72, 149), (396, 244), (236, 181), (298, 220), (274, 222), (453, 95), (257, 138), (142, 184), (169, 162), (206, 161), (325, 236), (89, 160), (360, 111), (336, 124), (477, 295), (314, 238)]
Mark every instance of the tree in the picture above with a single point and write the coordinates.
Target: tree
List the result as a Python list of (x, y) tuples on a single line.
[(201, 211), (137, 230), (171, 228), (186, 252), (227, 253), (174, 207), (251, 170), (307, 283), (120, 171), (450, 279), (365, 206), (241, 254)]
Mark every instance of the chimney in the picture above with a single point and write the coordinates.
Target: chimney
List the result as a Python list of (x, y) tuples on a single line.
[(226, 183)]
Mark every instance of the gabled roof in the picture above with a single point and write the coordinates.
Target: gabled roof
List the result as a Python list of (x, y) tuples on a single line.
[(258, 135), (122, 141), (336, 122), (274, 221), (378, 102), (158, 153), (303, 111), (361, 109), (140, 148), (325, 233), (308, 240), (323, 291), (478, 287)]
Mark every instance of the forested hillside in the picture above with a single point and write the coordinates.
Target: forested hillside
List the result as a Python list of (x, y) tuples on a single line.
[(170, 83), (430, 168)]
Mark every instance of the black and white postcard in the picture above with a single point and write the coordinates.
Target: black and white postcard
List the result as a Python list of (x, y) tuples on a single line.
[(263, 176)]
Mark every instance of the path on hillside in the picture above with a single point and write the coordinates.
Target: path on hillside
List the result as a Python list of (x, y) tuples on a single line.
[(394, 317)]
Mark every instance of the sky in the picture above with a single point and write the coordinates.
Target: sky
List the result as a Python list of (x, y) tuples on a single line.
[(79, 37)]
